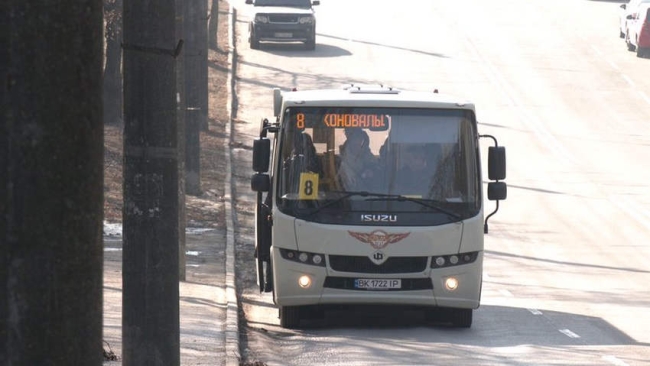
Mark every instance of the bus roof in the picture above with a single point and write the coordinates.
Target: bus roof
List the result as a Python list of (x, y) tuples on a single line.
[(373, 96)]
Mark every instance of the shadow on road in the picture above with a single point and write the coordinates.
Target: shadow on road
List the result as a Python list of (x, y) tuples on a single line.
[(517, 325), (385, 45), (298, 50)]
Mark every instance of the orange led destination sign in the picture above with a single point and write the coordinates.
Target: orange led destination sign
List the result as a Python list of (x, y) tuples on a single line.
[(346, 120), (335, 120)]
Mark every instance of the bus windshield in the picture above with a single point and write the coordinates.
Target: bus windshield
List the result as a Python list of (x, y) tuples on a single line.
[(337, 164)]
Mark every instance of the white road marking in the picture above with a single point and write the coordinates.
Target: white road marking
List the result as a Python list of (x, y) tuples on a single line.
[(506, 293), (629, 81), (597, 51), (568, 333), (645, 97), (614, 361), (600, 54), (613, 65), (625, 77), (535, 311)]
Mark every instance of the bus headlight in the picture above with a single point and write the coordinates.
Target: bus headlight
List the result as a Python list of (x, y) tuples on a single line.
[(451, 283), (304, 281), (451, 260), (312, 259)]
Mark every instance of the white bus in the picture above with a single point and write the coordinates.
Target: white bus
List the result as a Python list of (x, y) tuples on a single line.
[(372, 195)]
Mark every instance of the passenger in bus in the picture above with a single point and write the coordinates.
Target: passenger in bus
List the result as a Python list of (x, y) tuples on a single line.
[(357, 163), (415, 175)]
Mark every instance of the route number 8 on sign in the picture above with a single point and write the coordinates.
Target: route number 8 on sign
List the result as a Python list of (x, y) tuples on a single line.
[(308, 186)]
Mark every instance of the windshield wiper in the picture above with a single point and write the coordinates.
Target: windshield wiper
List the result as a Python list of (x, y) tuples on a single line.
[(286, 5), (385, 197), (347, 194), (424, 202)]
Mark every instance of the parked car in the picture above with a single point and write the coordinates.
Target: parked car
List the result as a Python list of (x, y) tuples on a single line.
[(626, 10), (283, 21), (638, 34)]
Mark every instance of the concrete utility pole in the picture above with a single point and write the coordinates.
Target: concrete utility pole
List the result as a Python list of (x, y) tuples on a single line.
[(181, 138), (113, 93), (196, 88), (150, 307), (202, 46), (51, 182), (213, 25)]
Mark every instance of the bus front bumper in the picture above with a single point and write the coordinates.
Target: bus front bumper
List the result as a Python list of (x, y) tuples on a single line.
[(424, 289)]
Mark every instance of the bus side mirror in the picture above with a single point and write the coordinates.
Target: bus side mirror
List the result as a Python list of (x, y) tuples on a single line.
[(497, 191), (260, 182), (261, 154), (497, 163)]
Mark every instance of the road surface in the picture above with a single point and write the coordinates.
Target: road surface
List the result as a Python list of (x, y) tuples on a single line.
[(566, 264)]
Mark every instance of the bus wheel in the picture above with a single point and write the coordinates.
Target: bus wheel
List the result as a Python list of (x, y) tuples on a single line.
[(290, 316), (461, 318)]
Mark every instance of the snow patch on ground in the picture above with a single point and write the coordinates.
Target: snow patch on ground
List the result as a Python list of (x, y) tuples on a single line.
[(115, 230)]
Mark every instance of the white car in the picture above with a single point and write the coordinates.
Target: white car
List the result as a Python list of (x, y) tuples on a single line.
[(638, 34), (628, 9)]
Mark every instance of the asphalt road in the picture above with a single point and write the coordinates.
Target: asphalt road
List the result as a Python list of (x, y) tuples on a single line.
[(566, 263)]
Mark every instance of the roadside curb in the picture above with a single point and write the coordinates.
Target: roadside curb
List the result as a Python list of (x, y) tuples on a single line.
[(233, 356)]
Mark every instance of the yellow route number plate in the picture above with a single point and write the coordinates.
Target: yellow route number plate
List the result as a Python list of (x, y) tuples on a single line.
[(308, 186)]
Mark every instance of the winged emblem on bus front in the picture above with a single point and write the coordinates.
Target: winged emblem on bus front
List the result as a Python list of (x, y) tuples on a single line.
[(378, 239)]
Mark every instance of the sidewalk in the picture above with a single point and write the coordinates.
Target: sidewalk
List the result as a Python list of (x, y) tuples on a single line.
[(209, 330), (203, 299)]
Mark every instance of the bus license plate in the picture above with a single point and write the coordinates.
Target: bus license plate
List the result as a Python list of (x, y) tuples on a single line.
[(377, 284)]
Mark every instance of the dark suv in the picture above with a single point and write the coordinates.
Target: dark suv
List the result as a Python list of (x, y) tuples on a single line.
[(283, 21)]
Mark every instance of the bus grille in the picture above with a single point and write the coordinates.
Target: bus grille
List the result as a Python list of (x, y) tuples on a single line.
[(343, 263)]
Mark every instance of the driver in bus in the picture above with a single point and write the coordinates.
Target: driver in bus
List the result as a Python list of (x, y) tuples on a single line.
[(303, 154), (357, 162), (301, 159)]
